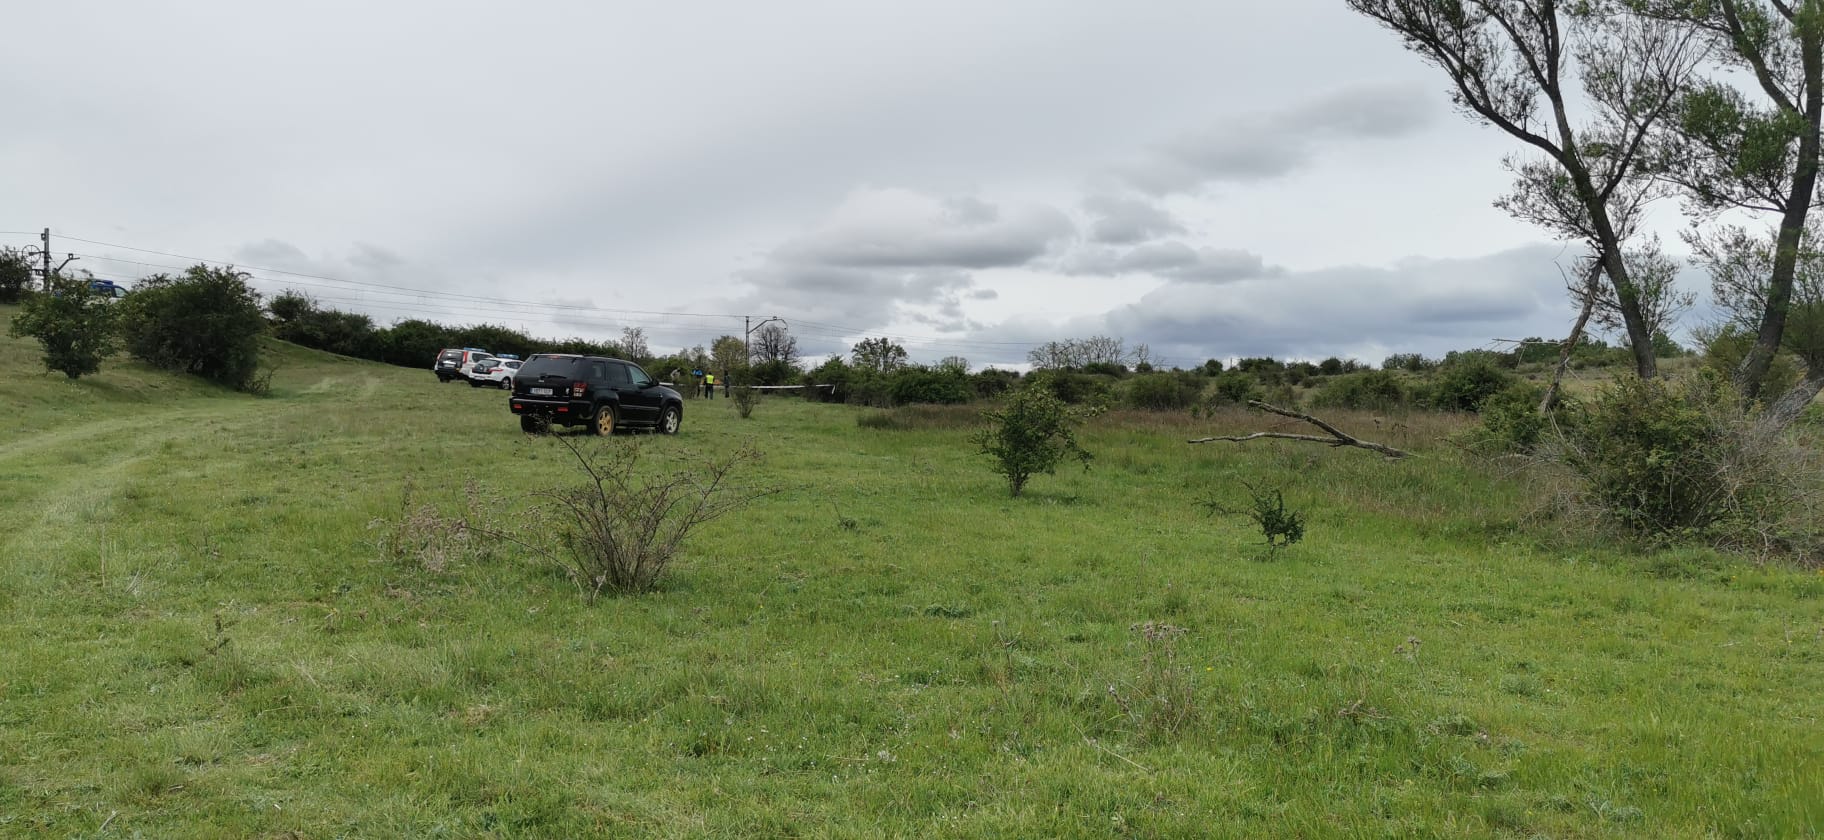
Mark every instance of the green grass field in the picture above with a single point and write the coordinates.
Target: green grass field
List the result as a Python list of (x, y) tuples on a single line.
[(199, 637)]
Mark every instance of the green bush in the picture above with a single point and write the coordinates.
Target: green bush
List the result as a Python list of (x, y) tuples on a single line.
[(15, 275), (941, 386), (834, 372), (205, 322), (1235, 386), (868, 387), (1680, 459), (1073, 388), (1511, 421), (1409, 362), (1373, 390), (1725, 348), (73, 325), (990, 382), (1164, 391), (775, 372), (1466, 381), (1030, 435)]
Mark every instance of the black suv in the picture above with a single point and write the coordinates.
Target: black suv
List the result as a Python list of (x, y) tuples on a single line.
[(592, 391)]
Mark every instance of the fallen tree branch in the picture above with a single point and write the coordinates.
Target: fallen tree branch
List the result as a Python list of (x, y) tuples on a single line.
[(1337, 436), (1592, 288)]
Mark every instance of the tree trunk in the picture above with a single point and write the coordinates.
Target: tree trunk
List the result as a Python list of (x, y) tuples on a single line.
[(1749, 377)]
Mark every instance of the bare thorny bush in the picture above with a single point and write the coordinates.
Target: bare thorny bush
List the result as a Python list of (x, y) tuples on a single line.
[(619, 529), (1160, 701), (424, 536), (745, 397)]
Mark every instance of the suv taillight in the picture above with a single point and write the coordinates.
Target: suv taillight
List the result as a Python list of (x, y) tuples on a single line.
[(576, 388)]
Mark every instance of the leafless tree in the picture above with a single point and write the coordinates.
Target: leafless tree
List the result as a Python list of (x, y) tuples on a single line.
[(773, 343)]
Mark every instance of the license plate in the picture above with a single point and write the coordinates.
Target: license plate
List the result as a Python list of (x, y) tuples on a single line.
[(541, 392)]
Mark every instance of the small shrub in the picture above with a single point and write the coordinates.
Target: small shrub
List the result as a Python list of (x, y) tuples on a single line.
[(1267, 509), (619, 528), (745, 397), (73, 326), (1030, 435), (1280, 526)]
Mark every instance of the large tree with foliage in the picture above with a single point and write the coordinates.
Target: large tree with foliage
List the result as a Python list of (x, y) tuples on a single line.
[(1513, 64), (727, 355), (74, 326), (206, 321), (1740, 261), (878, 355), (1747, 138)]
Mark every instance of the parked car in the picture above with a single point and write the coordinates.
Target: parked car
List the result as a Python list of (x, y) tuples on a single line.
[(594, 391), (456, 362), (497, 372), (108, 289)]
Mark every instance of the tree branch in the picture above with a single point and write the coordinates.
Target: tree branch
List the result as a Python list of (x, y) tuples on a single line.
[(1337, 436)]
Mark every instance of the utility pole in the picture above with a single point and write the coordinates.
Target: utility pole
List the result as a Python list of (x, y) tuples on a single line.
[(43, 253), (747, 321)]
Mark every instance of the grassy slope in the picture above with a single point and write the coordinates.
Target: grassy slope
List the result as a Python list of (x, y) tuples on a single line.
[(197, 637)]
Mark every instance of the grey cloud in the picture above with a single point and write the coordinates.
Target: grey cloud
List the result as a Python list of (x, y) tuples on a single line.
[(274, 253), (1419, 305), (885, 252), (1269, 145), (1422, 305), (1125, 221), (1170, 260), (903, 229), (374, 257)]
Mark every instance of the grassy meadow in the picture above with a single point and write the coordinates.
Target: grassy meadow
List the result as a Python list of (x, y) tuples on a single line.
[(200, 636)]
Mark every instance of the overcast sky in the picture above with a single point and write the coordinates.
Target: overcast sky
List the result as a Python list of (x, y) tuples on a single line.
[(1212, 177)]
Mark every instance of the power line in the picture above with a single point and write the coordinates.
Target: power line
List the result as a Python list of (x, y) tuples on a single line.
[(411, 289)]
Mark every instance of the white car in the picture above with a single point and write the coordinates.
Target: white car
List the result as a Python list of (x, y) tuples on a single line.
[(454, 363), (498, 373)]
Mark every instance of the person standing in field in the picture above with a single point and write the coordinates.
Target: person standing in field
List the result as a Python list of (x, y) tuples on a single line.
[(709, 386)]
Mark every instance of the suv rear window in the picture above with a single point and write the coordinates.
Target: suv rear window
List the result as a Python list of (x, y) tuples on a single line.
[(559, 366)]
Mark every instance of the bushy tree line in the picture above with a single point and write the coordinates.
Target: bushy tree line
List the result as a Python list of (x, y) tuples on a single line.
[(205, 322)]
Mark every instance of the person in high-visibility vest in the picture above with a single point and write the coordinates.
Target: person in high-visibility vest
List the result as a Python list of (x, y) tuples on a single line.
[(709, 386)]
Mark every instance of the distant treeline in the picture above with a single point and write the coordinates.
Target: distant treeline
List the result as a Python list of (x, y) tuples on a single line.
[(876, 372)]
